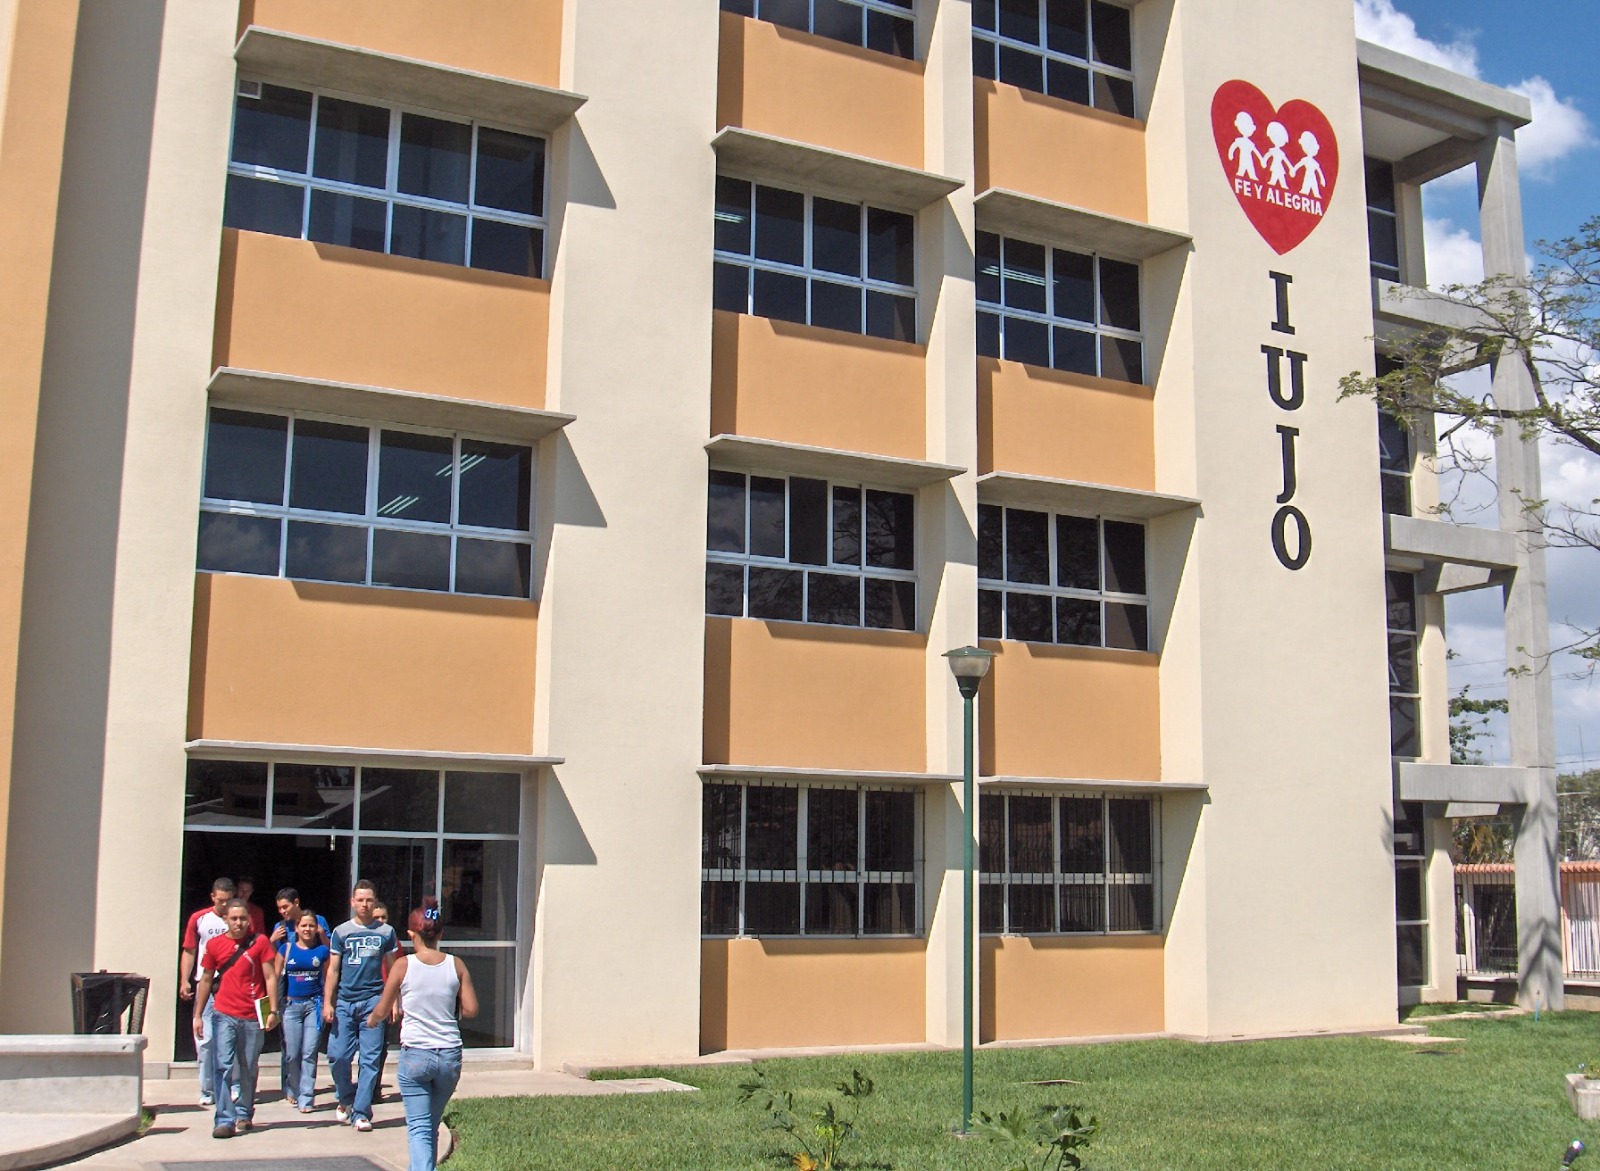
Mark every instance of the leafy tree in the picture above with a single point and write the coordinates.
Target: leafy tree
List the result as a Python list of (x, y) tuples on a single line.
[(1550, 323)]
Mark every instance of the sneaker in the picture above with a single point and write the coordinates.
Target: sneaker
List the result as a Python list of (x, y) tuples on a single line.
[(207, 1100), (363, 1124), (243, 1125), (222, 1132), (341, 1114)]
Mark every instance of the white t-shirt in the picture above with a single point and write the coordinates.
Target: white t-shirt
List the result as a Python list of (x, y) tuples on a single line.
[(203, 927)]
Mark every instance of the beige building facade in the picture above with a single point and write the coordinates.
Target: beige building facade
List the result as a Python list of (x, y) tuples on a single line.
[(538, 454)]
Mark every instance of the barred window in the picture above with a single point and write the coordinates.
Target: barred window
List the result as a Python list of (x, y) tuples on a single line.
[(1051, 577), (1066, 864), (1052, 307), (317, 167), (810, 860), (796, 257), (884, 25), (797, 549), (315, 499), (1077, 50)]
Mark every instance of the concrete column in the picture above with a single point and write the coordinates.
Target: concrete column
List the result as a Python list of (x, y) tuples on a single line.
[(616, 948), (1527, 623), (949, 511)]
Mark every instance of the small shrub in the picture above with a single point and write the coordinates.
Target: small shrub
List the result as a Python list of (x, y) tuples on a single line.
[(820, 1133), (1049, 1139)]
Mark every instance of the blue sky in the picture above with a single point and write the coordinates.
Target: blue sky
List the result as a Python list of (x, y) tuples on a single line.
[(1545, 50)]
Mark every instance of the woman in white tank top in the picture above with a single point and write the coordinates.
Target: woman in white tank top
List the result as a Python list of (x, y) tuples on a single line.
[(427, 984)]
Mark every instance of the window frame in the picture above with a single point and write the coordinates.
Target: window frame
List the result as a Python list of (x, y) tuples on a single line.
[(904, 12), (1379, 214), (1053, 320), (1053, 591), (804, 877), (390, 194), (1040, 49), (807, 269), (1057, 878), (1412, 636), (862, 571), (371, 520)]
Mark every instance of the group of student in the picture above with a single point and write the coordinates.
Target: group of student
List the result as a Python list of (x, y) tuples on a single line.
[(302, 977)]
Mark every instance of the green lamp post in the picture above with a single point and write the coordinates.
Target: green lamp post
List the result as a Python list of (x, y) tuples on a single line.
[(969, 665)]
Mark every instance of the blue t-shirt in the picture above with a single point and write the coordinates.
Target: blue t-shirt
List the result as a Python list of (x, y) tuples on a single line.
[(361, 951), (303, 968)]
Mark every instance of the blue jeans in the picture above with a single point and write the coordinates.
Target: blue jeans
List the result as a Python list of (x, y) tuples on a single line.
[(302, 1027), (204, 1056), (427, 1078), (236, 1051), (350, 1035)]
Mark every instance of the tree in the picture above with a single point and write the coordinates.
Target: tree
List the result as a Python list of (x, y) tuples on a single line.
[(1469, 721), (1550, 323)]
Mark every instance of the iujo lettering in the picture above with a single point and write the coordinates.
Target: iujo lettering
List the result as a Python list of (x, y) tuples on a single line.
[(1288, 516)]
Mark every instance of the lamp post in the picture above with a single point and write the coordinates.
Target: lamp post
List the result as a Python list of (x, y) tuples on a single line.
[(969, 665)]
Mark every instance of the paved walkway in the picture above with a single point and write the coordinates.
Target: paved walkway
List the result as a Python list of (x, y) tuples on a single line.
[(283, 1137)]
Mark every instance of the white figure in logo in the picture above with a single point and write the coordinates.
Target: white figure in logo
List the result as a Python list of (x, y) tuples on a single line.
[(1311, 181), (1245, 147), (1277, 162)]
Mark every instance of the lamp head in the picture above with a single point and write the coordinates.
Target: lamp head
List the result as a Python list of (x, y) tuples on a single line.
[(969, 665), (1574, 1149)]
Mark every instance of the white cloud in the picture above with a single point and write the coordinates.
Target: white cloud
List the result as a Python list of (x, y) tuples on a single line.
[(1559, 126), (1452, 255), (1378, 21)]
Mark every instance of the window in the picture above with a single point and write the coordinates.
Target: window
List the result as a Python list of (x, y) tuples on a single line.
[(453, 834), (810, 860), (1066, 864), (333, 500), (802, 550), (318, 167), (884, 25), (1051, 307), (1394, 464), (1405, 689), (1410, 894), (1383, 221), (1050, 577), (804, 258), (1077, 50)]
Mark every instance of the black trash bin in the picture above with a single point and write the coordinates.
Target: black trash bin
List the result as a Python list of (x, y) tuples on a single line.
[(103, 1002)]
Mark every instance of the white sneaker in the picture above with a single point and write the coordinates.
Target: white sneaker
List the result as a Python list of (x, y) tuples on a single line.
[(207, 1100), (363, 1124), (341, 1114)]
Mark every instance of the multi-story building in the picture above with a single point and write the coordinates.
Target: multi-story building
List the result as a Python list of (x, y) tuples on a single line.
[(440, 451)]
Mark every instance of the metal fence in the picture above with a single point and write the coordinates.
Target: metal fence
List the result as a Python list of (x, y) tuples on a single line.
[(1486, 919)]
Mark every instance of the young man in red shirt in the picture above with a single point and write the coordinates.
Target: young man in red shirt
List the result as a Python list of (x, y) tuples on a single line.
[(203, 926), (242, 966)]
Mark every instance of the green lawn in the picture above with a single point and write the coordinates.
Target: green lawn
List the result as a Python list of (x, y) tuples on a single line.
[(1492, 1100)]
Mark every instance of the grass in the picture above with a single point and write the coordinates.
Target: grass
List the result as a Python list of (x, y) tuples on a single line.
[(1450, 1008), (1493, 1099)]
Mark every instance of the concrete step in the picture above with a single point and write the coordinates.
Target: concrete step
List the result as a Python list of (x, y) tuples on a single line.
[(37, 1140)]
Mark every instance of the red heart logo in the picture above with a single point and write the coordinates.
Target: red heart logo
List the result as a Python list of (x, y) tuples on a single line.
[(1283, 163)]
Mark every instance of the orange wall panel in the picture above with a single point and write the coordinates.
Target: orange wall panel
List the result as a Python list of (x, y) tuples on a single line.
[(1044, 422), (1058, 150), (784, 693), (1064, 986), (820, 387), (319, 311), (288, 662), (776, 993), (811, 89), (520, 39), (1070, 712)]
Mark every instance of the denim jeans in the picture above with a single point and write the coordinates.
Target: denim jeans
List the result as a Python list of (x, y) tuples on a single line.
[(236, 1049), (204, 1058), (351, 1035), (427, 1078), (302, 1027)]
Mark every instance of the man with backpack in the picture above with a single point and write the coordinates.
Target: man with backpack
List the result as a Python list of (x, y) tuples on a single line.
[(242, 967), (203, 926)]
